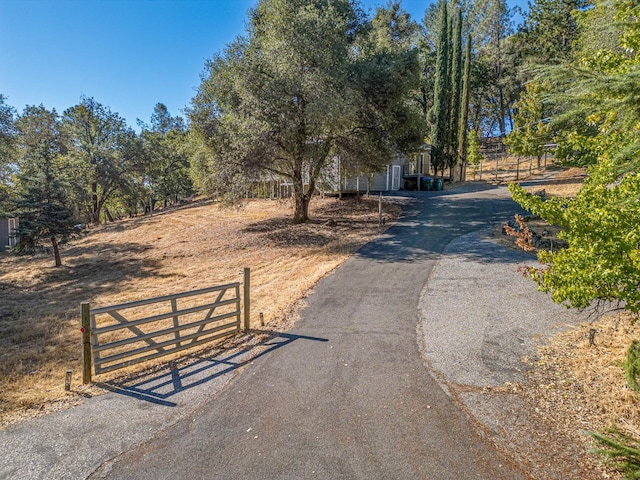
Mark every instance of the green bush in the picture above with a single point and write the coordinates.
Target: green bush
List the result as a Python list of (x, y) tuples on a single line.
[(632, 365), (620, 450)]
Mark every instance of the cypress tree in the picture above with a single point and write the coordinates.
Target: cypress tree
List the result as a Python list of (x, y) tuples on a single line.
[(464, 110), (440, 101), (456, 87)]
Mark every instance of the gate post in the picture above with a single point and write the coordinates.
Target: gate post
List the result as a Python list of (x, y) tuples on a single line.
[(247, 298), (86, 342)]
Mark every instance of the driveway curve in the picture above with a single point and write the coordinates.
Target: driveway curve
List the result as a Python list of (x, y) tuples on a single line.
[(345, 394), (354, 399)]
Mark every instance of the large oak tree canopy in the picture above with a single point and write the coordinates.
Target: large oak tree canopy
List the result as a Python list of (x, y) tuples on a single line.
[(308, 81)]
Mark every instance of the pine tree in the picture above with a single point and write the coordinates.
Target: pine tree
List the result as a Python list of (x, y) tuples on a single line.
[(42, 205), (549, 31), (7, 150)]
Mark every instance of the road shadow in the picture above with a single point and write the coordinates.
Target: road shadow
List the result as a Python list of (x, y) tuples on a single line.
[(159, 386), (431, 220), (554, 181)]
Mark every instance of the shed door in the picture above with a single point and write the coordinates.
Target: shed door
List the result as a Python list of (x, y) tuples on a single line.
[(395, 177)]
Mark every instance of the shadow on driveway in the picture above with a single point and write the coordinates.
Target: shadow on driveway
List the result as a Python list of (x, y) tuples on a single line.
[(430, 220), (194, 370)]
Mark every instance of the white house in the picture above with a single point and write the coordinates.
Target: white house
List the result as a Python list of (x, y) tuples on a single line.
[(404, 172)]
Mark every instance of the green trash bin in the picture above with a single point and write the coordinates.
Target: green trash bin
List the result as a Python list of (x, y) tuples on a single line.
[(426, 184), (438, 184)]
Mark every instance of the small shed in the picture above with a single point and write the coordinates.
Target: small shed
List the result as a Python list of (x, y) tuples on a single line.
[(8, 239), (416, 168)]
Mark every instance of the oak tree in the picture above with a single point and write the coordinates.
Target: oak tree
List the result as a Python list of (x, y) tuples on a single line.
[(303, 86), (105, 150)]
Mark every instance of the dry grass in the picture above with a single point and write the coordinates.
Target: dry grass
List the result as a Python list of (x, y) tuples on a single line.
[(174, 251), (580, 387), (565, 183), (583, 385)]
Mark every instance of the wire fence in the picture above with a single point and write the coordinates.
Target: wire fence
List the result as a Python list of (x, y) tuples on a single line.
[(504, 168)]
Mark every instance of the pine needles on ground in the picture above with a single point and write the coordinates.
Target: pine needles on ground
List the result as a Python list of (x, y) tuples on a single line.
[(621, 450)]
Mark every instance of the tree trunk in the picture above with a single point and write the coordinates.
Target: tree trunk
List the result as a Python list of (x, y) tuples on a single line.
[(95, 213), (456, 172), (56, 250), (301, 214), (503, 128), (301, 198)]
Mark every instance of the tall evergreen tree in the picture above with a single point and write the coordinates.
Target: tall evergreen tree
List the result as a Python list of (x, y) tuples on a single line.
[(549, 31), (464, 111), (456, 92), (42, 205), (438, 114), (7, 148), (501, 86)]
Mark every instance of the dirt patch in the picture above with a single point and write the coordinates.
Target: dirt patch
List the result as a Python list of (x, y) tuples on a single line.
[(575, 384), (559, 182), (179, 250)]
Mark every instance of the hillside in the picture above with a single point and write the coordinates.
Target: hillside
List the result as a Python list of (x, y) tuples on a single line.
[(173, 251)]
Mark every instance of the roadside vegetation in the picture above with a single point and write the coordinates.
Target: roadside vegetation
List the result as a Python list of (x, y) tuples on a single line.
[(581, 98), (575, 383)]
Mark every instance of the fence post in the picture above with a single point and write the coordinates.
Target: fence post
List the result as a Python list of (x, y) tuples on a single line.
[(86, 342), (176, 321), (247, 298)]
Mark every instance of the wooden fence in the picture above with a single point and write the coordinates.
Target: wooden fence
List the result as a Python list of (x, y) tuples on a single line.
[(505, 168), (117, 336)]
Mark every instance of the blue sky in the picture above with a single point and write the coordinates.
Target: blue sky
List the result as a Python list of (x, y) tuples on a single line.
[(127, 54)]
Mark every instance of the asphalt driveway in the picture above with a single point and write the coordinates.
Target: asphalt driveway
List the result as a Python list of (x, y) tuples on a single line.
[(345, 394)]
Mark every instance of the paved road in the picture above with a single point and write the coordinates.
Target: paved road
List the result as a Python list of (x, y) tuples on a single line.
[(345, 394)]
